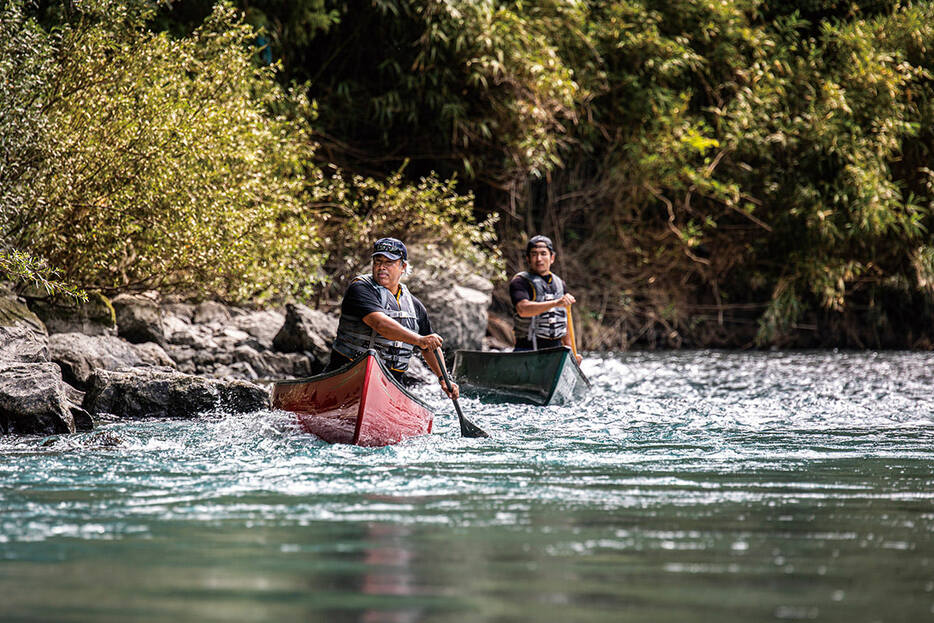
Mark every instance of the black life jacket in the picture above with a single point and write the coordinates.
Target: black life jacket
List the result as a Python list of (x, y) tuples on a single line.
[(551, 325), (355, 337)]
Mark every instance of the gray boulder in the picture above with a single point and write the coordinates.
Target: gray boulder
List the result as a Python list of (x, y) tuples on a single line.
[(306, 330), (197, 336), (457, 300), (151, 354), (162, 393), (261, 325), (229, 343), (185, 311), (23, 337), (80, 355), (62, 314), (211, 312), (271, 365), (33, 401), (139, 319)]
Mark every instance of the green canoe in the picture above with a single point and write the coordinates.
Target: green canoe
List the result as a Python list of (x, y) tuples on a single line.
[(549, 376)]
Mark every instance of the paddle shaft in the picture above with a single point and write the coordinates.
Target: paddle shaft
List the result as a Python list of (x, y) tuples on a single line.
[(571, 331), (468, 428)]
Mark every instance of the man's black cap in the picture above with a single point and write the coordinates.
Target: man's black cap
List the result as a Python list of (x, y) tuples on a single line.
[(391, 248), (537, 240)]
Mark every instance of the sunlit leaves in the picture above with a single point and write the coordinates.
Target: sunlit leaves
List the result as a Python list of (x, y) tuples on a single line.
[(171, 171)]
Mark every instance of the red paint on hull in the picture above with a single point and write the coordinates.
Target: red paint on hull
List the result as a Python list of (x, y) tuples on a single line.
[(359, 404)]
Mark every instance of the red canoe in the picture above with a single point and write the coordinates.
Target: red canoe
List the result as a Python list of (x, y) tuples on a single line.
[(360, 403)]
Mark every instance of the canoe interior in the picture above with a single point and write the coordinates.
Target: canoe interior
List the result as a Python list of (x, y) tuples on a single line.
[(360, 404), (540, 377)]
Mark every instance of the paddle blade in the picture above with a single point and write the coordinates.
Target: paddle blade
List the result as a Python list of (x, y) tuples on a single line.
[(469, 429)]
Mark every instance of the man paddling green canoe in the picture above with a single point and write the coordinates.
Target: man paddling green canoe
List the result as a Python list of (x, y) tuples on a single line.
[(379, 312), (540, 301)]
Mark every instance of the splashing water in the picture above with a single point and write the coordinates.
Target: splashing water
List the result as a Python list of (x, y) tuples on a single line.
[(697, 486)]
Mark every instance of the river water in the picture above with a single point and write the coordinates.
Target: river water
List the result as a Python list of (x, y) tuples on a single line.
[(690, 486)]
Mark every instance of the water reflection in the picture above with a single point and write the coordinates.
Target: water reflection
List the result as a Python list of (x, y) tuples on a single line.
[(389, 572)]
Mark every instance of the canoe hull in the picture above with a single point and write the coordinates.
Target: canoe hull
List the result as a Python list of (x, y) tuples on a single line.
[(359, 404), (541, 377)]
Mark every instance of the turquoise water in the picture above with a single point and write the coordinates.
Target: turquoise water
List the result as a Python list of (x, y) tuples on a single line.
[(698, 486)]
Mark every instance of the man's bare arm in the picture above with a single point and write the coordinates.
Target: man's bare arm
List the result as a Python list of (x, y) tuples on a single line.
[(392, 330), (527, 308)]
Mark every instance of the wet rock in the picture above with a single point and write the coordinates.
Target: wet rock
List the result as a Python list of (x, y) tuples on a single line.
[(162, 393), (83, 420), (104, 439), (33, 400)]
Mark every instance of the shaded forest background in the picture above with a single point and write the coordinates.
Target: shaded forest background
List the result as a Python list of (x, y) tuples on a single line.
[(714, 173)]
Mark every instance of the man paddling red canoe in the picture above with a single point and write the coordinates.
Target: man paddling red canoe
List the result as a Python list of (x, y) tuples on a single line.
[(378, 312)]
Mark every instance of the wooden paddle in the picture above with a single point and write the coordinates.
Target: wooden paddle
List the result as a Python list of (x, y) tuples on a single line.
[(468, 428), (571, 332)]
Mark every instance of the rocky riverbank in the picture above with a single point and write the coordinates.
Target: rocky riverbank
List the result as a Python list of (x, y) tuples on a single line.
[(66, 366)]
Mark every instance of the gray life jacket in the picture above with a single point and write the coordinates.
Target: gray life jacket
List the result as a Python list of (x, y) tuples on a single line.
[(355, 337), (551, 325)]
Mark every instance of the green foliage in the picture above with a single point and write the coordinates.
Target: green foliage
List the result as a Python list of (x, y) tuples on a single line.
[(286, 26), (478, 86), (430, 212), (171, 172), (141, 160), (507, 58), (821, 126), (26, 64), (25, 269), (689, 155)]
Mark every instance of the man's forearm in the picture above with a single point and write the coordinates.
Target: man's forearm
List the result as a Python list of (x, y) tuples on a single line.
[(390, 329), (527, 309)]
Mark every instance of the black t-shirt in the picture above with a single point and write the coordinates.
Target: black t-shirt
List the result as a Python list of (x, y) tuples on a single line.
[(361, 299), (520, 288)]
